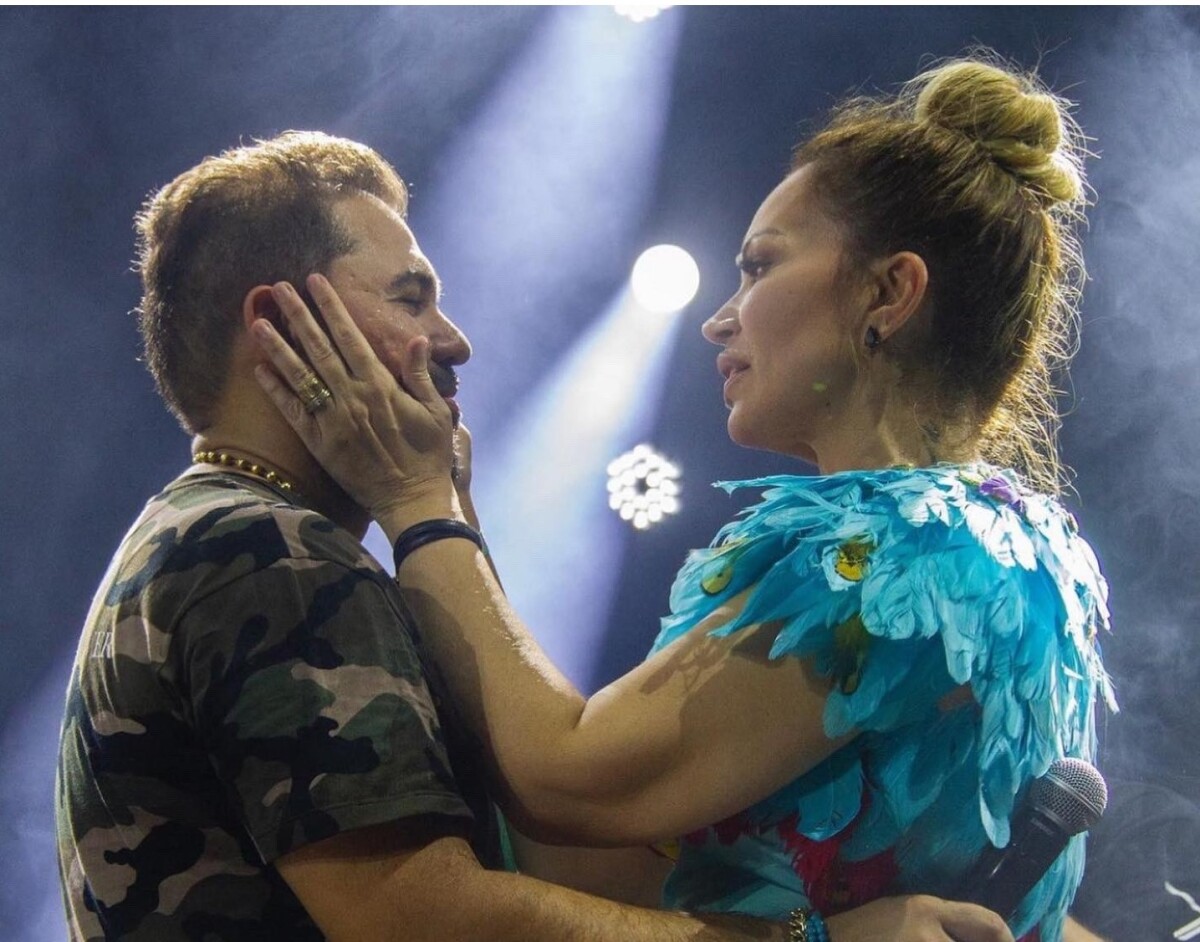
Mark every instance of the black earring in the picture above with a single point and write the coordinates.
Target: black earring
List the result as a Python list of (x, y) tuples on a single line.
[(873, 338)]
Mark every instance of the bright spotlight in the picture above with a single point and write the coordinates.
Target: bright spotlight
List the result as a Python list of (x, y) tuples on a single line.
[(643, 487), (664, 279), (640, 12)]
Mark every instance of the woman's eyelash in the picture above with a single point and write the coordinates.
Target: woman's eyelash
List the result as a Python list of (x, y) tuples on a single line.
[(752, 266)]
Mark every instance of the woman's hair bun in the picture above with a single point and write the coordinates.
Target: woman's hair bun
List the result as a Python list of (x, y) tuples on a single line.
[(1025, 128)]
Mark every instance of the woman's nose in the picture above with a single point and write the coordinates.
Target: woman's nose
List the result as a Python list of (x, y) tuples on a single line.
[(722, 325)]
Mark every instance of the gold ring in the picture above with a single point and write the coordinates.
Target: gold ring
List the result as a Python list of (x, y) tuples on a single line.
[(318, 401), (314, 393), (309, 385)]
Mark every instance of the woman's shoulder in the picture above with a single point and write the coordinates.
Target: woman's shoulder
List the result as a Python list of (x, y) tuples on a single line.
[(962, 551), (906, 510), (905, 584), (920, 495)]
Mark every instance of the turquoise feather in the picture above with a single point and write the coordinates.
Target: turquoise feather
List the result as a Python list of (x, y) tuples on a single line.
[(937, 583)]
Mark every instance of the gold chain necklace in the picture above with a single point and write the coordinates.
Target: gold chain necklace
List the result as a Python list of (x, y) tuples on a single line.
[(274, 478)]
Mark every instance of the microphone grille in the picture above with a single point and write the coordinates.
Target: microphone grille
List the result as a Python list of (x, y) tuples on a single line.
[(1073, 792)]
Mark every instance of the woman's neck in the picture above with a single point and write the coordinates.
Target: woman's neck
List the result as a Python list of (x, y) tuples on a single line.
[(892, 428)]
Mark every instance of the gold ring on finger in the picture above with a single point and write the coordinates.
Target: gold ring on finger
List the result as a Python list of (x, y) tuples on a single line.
[(309, 385), (318, 400), (313, 393)]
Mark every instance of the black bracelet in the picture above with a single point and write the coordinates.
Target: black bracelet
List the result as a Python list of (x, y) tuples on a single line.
[(428, 531)]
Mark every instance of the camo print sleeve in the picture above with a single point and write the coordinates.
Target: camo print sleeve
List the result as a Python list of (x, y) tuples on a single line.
[(308, 693), (244, 685)]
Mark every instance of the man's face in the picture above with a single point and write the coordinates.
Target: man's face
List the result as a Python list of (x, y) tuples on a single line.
[(392, 292)]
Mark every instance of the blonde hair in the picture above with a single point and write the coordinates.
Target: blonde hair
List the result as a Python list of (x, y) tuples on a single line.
[(252, 215), (977, 168)]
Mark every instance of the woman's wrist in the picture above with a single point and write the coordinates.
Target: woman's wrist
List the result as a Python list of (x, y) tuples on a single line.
[(431, 531), (417, 505), (806, 925)]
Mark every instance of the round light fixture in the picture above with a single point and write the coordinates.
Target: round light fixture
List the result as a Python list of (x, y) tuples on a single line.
[(640, 12), (665, 278), (643, 487)]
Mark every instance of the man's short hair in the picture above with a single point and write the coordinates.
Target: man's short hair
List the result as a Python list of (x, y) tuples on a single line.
[(253, 215)]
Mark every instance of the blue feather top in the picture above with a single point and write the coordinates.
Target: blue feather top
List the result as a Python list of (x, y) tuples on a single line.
[(903, 586)]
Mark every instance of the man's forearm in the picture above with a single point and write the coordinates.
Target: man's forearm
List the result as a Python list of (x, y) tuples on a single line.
[(523, 909), (626, 874), (386, 884)]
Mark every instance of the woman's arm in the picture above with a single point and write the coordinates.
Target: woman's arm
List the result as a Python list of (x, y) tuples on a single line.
[(1075, 932), (703, 729), (699, 731)]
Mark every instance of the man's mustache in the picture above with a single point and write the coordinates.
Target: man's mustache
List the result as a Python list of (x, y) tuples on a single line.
[(445, 380)]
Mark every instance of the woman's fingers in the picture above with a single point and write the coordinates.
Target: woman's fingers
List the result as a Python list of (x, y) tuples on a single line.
[(285, 400), (349, 341), (315, 342), (379, 441), (918, 918), (414, 370), (970, 923), (341, 365), (298, 375)]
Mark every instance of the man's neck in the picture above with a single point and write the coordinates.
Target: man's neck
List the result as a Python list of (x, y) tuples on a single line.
[(272, 449), (247, 425)]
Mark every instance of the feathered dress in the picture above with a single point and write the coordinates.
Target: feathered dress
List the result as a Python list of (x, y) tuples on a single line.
[(905, 587)]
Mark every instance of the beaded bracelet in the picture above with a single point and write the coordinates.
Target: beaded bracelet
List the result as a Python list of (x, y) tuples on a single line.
[(428, 531), (806, 925)]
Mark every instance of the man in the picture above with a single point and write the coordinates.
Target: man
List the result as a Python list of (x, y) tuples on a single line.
[(251, 749)]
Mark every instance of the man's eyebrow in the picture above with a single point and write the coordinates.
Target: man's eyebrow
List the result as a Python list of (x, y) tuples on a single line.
[(421, 277)]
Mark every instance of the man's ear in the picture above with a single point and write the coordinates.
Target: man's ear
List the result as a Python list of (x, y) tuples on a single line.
[(259, 303), (900, 284)]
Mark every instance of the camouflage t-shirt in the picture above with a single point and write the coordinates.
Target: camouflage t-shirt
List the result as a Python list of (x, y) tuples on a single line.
[(244, 686)]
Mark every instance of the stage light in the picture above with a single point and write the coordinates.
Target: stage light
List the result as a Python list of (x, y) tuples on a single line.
[(643, 487), (591, 97), (665, 278), (640, 12)]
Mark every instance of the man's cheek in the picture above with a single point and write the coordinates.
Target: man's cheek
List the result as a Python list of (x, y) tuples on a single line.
[(390, 350)]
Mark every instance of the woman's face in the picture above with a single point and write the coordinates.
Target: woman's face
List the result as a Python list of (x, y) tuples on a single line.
[(789, 333)]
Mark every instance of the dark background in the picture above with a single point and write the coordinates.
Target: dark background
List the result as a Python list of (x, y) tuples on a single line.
[(98, 107)]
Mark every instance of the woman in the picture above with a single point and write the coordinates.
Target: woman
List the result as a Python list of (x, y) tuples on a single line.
[(862, 674)]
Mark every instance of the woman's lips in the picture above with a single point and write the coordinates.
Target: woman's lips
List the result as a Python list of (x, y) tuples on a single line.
[(731, 379), (729, 363), (731, 368)]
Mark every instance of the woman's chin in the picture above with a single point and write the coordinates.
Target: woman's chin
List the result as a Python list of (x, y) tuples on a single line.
[(757, 438), (744, 433)]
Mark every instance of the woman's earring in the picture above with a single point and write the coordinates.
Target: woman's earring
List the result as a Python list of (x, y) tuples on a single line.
[(873, 338)]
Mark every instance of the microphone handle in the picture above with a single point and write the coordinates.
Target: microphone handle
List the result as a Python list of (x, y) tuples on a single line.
[(1003, 876)]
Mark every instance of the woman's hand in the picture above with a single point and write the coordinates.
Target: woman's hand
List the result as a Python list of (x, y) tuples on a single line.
[(390, 448), (917, 919)]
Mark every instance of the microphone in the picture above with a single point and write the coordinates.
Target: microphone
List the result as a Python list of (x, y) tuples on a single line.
[(1066, 801)]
